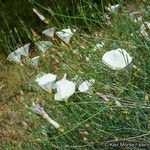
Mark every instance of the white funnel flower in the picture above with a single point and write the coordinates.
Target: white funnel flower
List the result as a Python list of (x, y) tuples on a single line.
[(49, 32), (86, 85), (43, 45), (135, 16), (118, 103), (14, 57), (145, 28), (34, 61), (65, 89), (40, 16), (117, 59), (113, 8), (65, 35), (40, 110), (98, 46), (24, 50), (46, 81)]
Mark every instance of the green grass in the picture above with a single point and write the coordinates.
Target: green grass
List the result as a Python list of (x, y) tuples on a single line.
[(88, 121)]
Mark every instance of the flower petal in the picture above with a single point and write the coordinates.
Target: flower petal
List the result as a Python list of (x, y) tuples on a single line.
[(104, 97), (117, 59), (99, 46), (41, 17), (40, 110), (65, 35), (65, 89), (135, 16), (49, 32), (46, 81), (144, 28), (85, 86), (113, 8), (23, 50), (118, 103), (14, 57), (34, 61), (43, 45)]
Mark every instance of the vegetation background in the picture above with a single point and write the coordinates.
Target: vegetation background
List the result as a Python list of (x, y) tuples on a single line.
[(88, 121)]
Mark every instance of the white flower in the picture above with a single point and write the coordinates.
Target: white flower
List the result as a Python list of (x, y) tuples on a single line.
[(145, 28), (49, 32), (14, 57), (65, 35), (117, 59), (40, 110), (40, 16), (118, 103), (88, 57), (23, 50), (43, 45), (86, 85), (98, 46), (34, 61), (46, 81), (135, 16), (65, 89), (113, 8)]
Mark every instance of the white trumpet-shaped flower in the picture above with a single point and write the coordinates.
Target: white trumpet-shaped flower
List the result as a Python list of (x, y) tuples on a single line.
[(117, 59), (118, 103), (14, 57), (99, 46), (43, 45), (145, 28), (34, 61), (65, 35), (49, 32), (46, 81), (23, 51), (40, 110), (113, 8), (135, 16), (88, 57), (86, 85), (65, 89), (41, 17)]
